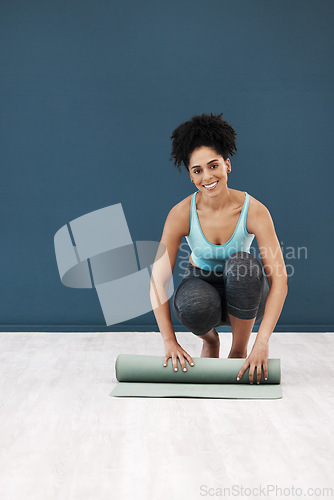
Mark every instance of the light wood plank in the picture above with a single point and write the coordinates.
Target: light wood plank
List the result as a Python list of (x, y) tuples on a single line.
[(63, 437)]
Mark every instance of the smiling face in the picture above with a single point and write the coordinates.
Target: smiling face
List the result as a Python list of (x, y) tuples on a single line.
[(206, 167)]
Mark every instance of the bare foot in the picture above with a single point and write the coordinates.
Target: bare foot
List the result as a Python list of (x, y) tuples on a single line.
[(235, 355), (211, 346)]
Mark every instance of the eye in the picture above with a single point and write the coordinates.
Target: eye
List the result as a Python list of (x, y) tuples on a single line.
[(215, 166)]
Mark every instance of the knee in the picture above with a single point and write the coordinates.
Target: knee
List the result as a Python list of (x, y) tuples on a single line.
[(197, 304), (242, 264)]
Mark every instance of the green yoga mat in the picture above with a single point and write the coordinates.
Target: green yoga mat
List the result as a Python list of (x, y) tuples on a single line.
[(145, 376)]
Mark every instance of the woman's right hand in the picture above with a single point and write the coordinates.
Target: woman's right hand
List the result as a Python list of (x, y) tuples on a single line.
[(174, 350)]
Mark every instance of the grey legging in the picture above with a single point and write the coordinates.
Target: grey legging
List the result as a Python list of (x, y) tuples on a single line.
[(203, 298)]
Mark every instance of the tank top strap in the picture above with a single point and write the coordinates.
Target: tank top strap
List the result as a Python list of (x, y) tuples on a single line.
[(192, 212), (244, 211), (193, 201)]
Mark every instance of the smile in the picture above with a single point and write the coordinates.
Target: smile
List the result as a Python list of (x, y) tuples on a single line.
[(210, 186)]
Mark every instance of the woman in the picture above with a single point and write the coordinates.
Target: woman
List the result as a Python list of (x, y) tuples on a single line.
[(223, 284)]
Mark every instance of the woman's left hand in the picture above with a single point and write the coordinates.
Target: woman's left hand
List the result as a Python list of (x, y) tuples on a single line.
[(258, 357)]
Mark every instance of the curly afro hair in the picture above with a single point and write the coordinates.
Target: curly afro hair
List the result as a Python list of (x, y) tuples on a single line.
[(202, 130)]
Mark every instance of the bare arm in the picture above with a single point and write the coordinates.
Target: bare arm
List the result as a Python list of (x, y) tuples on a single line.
[(274, 267), (275, 270), (162, 271)]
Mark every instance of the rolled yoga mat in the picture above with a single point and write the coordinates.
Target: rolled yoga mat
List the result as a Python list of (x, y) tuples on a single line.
[(145, 376)]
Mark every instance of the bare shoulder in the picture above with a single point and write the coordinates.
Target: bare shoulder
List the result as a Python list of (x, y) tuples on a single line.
[(257, 213), (179, 216)]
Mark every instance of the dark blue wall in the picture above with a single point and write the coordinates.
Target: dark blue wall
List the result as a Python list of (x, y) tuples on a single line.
[(90, 93)]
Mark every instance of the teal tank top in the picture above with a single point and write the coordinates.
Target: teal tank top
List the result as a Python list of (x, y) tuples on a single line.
[(208, 256)]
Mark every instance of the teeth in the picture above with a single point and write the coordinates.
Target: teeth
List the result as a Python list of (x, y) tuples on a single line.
[(210, 185)]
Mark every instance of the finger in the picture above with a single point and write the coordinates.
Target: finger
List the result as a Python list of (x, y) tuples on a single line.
[(189, 358), (265, 371), (258, 374), (174, 358), (251, 373), (165, 360), (242, 370), (183, 363)]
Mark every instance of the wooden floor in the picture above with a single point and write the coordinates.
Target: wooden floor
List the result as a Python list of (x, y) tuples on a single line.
[(63, 437)]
